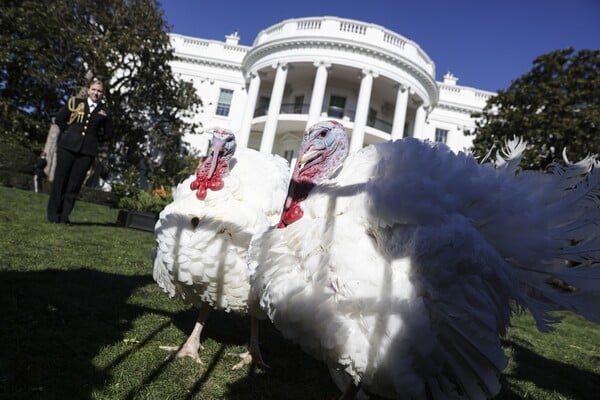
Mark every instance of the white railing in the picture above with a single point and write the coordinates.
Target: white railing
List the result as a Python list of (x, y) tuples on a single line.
[(190, 47), (353, 27), (452, 89), (309, 24), (463, 95), (333, 28), (195, 42), (394, 40)]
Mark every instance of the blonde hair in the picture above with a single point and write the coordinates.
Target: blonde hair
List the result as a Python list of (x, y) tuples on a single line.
[(94, 81)]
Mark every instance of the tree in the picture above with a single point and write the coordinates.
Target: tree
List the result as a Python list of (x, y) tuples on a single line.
[(48, 50), (38, 66), (553, 107)]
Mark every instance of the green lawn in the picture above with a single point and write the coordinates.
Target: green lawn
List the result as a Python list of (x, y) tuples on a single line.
[(81, 318)]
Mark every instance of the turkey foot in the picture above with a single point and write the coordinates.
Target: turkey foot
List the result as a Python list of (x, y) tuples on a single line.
[(186, 350), (246, 360), (253, 354), (192, 345)]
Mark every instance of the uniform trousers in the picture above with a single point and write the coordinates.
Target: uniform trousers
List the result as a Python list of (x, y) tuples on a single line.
[(71, 169)]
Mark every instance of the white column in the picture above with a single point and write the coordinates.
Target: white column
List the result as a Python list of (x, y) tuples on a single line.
[(318, 94), (244, 132), (400, 112), (268, 137), (362, 110), (420, 115)]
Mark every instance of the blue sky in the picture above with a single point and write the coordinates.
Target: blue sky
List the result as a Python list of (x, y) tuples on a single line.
[(485, 43)]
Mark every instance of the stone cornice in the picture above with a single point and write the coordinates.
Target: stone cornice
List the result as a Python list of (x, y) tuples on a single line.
[(255, 54), (208, 62), (457, 108)]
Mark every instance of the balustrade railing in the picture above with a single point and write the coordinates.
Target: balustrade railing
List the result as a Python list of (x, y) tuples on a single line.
[(332, 112), (294, 108)]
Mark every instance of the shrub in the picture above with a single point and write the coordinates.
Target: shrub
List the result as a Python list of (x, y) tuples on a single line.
[(128, 185), (97, 196), (16, 157), (146, 201), (18, 180)]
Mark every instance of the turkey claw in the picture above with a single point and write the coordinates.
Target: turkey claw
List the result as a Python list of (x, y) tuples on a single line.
[(247, 359), (181, 352)]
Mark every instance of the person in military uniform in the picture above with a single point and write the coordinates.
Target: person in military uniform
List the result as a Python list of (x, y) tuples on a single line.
[(38, 173), (83, 123)]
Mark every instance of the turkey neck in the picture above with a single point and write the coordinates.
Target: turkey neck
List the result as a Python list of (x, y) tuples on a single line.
[(292, 212), (221, 169)]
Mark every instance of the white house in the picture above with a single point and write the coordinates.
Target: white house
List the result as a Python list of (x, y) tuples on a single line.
[(379, 84)]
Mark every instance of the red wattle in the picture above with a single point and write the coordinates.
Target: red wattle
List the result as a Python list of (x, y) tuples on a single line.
[(291, 215), (201, 193), (215, 184)]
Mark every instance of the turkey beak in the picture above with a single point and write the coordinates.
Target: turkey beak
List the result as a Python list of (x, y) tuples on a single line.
[(217, 146), (309, 155)]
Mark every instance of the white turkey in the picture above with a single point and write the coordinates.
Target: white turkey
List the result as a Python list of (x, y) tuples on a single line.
[(202, 236), (401, 271)]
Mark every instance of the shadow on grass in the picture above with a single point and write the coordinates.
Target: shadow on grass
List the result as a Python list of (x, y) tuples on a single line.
[(565, 380), (54, 323), (104, 224), (290, 372)]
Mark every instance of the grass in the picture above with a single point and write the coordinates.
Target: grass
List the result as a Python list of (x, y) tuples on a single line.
[(81, 318)]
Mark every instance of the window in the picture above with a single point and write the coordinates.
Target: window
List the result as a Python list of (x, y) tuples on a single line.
[(372, 117), (441, 135), (298, 103), (289, 155), (336, 106), (263, 106), (224, 102)]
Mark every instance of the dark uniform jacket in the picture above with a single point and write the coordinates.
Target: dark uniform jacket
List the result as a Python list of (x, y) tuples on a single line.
[(81, 130)]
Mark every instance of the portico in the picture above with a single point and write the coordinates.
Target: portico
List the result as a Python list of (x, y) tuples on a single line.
[(378, 84)]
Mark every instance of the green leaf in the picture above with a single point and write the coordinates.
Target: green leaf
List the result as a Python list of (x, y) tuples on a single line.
[(554, 106)]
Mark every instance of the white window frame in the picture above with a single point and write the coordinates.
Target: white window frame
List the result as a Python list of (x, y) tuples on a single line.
[(224, 103), (441, 135)]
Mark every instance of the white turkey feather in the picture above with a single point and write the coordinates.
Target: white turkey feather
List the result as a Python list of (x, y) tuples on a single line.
[(404, 268), (203, 235), (202, 244)]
